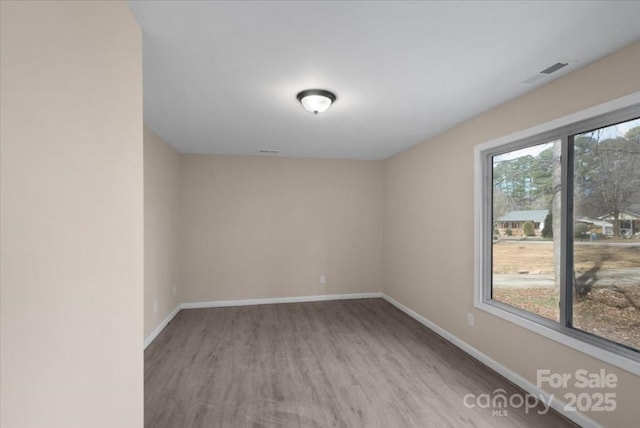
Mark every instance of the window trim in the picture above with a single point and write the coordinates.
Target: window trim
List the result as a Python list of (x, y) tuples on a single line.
[(562, 128)]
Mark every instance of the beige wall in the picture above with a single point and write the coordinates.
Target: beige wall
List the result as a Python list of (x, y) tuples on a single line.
[(71, 197), (161, 230), (429, 216), (256, 227)]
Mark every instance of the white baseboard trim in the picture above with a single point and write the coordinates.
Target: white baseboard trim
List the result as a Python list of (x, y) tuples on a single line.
[(557, 405), (161, 326), (273, 300)]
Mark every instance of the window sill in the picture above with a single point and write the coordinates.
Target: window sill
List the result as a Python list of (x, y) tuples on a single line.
[(594, 351)]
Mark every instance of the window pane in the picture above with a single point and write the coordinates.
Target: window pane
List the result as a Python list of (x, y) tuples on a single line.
[(606, 230), (525, 272)]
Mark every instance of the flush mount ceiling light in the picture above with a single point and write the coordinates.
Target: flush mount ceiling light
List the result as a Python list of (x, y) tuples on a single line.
[(316, 100)]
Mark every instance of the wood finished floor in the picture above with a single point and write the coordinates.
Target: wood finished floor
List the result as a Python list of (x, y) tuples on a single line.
[(349, 363)]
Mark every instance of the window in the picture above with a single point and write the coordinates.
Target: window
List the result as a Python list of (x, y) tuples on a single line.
[(523, 272), (571, 268), (605, 166)]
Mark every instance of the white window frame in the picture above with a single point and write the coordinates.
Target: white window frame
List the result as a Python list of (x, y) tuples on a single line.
[(575, 339)]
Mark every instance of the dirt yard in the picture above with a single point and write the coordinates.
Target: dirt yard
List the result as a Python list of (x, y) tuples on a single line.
[(612, 312), (513, 257), (590, 314)]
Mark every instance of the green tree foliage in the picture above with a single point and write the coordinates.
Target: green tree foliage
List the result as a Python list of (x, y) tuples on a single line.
[(633, 134), (528, 229), (547, 232), (580, 230), (523, 183)]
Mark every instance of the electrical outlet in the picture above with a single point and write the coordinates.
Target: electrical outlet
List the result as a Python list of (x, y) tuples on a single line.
[(470, 319), (155, 306), (174, 290), (323, 279)]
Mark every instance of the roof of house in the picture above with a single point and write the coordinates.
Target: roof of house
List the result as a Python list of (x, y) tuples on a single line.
[(525, 215), (634, 208), (588, 220), (632, 211)]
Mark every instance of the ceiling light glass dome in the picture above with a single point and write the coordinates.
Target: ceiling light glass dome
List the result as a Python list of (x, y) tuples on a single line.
[(316, 100)]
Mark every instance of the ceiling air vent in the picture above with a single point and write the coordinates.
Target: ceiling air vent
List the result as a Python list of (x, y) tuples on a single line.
[(273, 152), (555, 67), (546, 72)]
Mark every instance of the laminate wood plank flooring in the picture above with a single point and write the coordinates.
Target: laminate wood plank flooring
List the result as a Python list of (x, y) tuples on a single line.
[(348, 363)]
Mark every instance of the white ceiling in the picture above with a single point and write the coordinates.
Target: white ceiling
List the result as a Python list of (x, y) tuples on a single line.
[(222, 77)]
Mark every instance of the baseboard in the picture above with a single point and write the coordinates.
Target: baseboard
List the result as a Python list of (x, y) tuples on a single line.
[(273, 300), (161, 326), (557, 405)]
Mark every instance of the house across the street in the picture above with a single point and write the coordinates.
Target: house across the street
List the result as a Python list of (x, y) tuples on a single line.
[(597, 226), (515, 221), (629, 220)]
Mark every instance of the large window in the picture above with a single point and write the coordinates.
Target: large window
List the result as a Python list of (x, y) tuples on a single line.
[(559, 238), (523, 272)]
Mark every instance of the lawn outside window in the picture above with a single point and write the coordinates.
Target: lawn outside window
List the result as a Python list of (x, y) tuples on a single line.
[(558, 230)]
